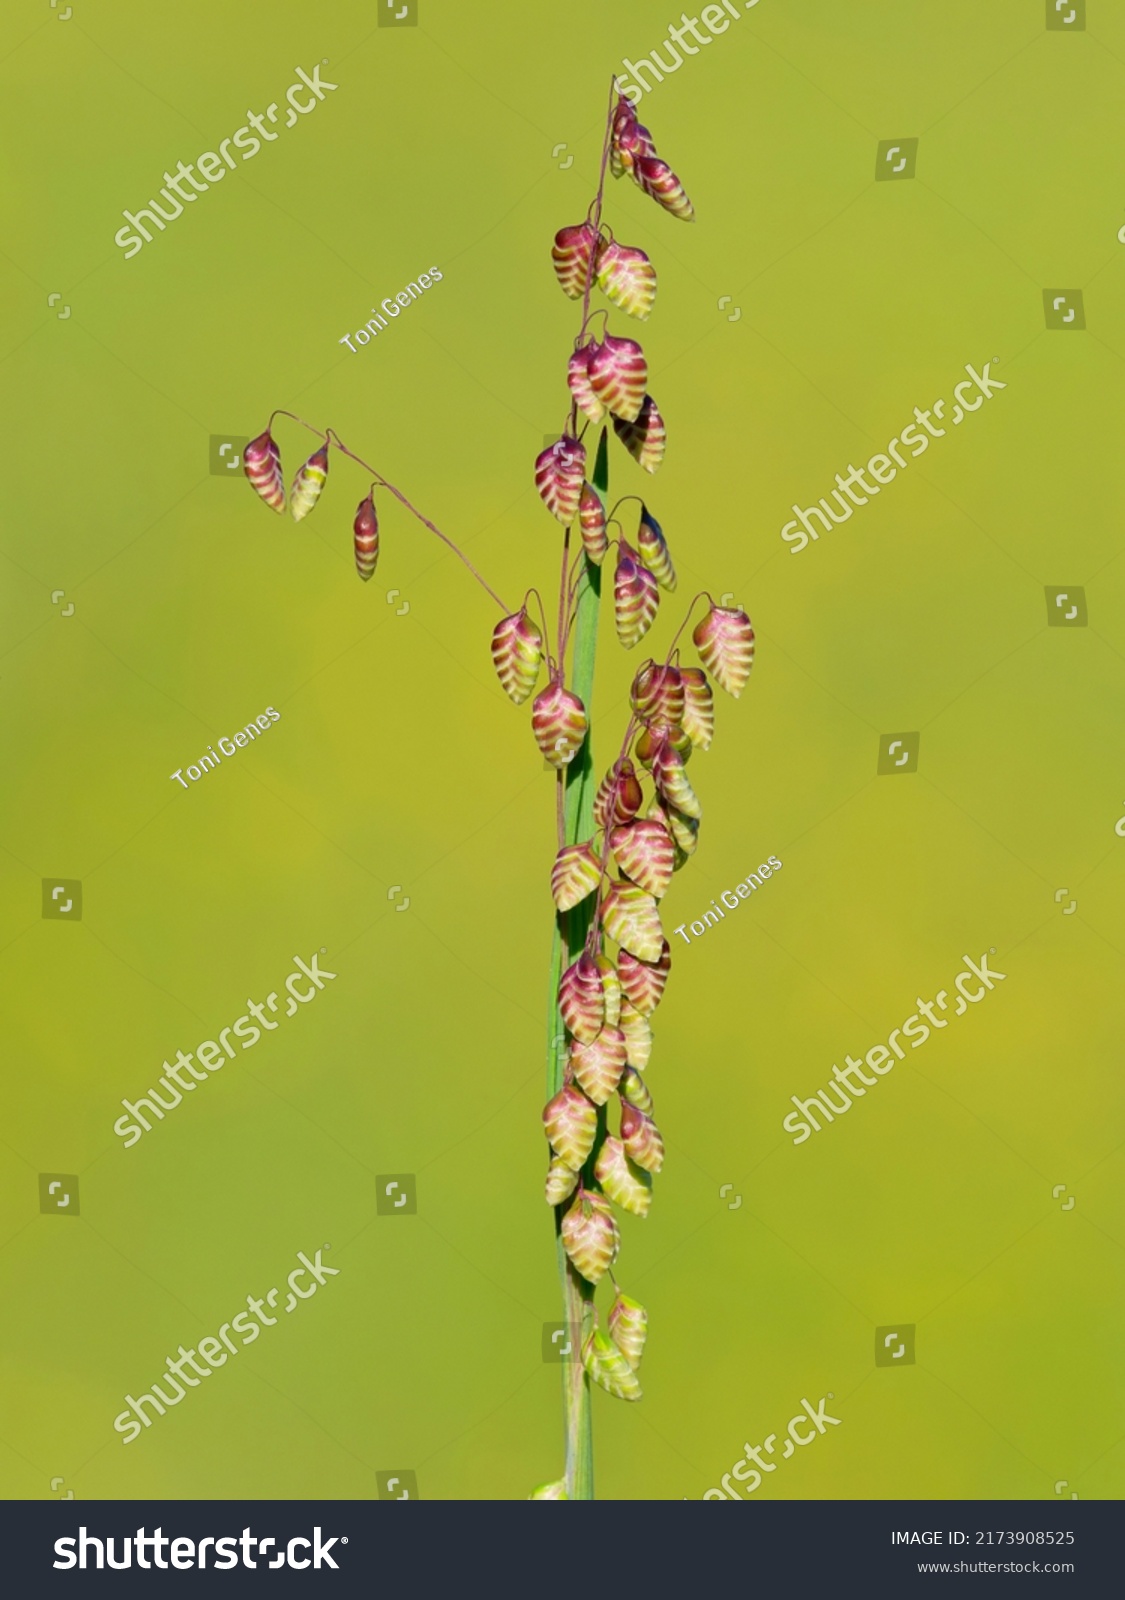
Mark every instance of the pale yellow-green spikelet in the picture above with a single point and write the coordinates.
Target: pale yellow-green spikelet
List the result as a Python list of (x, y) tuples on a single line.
[(611, 987), (608, 1366), (589, 1235), (308, 483), (628, 1326), (638, 1036), (561, 1182), (550, 1491), (571, 1124), (634, 1091), (628, 1185)]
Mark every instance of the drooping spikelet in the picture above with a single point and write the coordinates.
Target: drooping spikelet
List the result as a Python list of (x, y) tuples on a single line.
[(657, 179), (572, 253), (656, 734), (574, 875), (644, 981), (635, 596), (571, 1124), (699, 707), (578, 382), (636, 1030), (641, 1138), (654, 550), (628, 1326), (618, 375), (684, 830), (591, 519), (634, 1091), (589, 1235), (365, 534), (645, 438), (725, 641), (561, 1182), (619, 795), (611, 988), (626, 1184), (558, 721), (261, 462), (517, 650), (657, 693), (308, 483), (582, 998), (560, 472), (627, 278), (598, 1066), (630, 917), (609, 1367), (644, 852), (673, 783)]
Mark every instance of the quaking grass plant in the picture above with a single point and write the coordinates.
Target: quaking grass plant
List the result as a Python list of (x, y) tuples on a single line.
[(615, 854)]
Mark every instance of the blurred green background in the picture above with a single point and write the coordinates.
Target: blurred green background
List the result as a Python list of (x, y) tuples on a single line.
[(398, 761)]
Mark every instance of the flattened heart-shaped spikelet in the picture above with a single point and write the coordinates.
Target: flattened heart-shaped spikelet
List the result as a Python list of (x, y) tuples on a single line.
[(630, 139), (641, 1138), (644, 981), (365, 537), (725, 641), (652, 737), (574, 875), (627, 278), (684, 830), (582, 999), (261, 462), (630, 917), (549, 1491), (578, 382), (560, 472), (618, 375), (626, 1184), (699, 707), (589, 1235), (657, 694), (558, 721), (634, 1091), (591, 520), (571, 253), (561, 1182), (611, 988), (308, 483), (637, 1033), (628, 1326), (517, 651), (657, 179), (609, 1367), (598, 1066), (673, 783), (645, 438), (571, 1124), (654, 550), (645, 853), (636, 596), (619, 795)]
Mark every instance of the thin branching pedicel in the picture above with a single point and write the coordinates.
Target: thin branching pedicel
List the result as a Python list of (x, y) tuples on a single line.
[(615, 856)]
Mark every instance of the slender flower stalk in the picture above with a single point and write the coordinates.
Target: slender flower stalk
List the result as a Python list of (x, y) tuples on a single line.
[(615, 858)]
